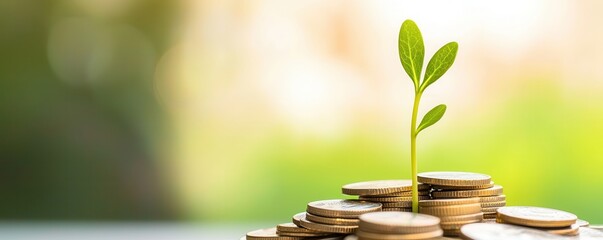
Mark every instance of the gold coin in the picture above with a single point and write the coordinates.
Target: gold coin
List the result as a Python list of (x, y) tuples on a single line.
[(297, 217), (496, 190), (489, 215), (301, 234), (498, 198), (536, 216), (452, 210), (504, 232), (454, 178), (489, 185), (403, 204), (452, 233), (380, 187), (339, 208), (490, 210), (399, 194), (381, 236), (570, 231), (390, 199), (292, 228), (462, 218), (493, 204), (332, 221), (327, 228), (268, 234), (396, 209), (447, 202), (398, 222)]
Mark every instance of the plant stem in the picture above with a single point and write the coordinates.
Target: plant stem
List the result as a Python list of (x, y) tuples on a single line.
[(413, 152)]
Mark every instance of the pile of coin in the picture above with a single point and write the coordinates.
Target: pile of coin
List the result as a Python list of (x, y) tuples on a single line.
[(337, 216), (546, 219), (394, 195), (398, 225), (453, 212), (466, 185)]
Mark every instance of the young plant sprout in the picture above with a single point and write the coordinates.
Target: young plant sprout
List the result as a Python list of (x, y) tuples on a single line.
[(412, 52)]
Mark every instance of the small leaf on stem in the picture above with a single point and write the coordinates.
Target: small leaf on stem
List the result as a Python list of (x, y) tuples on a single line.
[(411, 50), (441, 61), (434, 115)]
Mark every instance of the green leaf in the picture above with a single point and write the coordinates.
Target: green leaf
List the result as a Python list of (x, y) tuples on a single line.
[(440, 63), (434, 115), (411, 50)]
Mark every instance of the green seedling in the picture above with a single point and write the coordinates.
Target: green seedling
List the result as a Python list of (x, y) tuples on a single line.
[(412, 53)]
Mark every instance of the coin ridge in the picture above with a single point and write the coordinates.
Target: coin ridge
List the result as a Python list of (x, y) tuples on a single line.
[(493, 204), (444, 187), (448, 201), (375, 223), (325, 212), (351, 189), (496, 198), (434, 180), (327, 228), (496, 190), (391, 199), (285, 227), (425, 235), (332, 221), (453, 210)]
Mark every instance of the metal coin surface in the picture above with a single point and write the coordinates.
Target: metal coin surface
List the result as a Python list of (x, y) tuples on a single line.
[(496, 190), (454, 178), (268, 234), (447, 202), (380, 187), (536, 216), (342, 208), (398, 222)]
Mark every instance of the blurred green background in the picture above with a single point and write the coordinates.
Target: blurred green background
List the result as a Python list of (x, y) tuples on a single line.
[(243, 111)]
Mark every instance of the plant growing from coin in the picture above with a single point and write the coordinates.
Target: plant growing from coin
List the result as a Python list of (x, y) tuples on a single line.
[(412, 52)]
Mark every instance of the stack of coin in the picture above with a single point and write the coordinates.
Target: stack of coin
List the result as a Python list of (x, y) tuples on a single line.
[(465, 185), (546, 219), (394, 195), (398, 225), (453, 212), (334, 216)]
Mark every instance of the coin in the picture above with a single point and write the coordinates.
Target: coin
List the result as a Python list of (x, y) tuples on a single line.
[(582, 223), (292, 228), (340, 208), (452, 210), (447, 202), (380, 236), (320, 227), (380, 187), (398, 222), (498, 198), (496, 190), (297, 217), (589, 233), (397, 209), (301, 234), (390, 199), (267, 234), (494, 231), (493, 204), (332, 221), (456, 225), (489, 185), (536, 216), (489, 215), (462, 218), (399, 194), (489, 210), (571, 230), (454, 178), (403, 204)]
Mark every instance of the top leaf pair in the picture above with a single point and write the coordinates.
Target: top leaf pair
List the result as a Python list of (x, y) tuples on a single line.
[(412, 53)]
